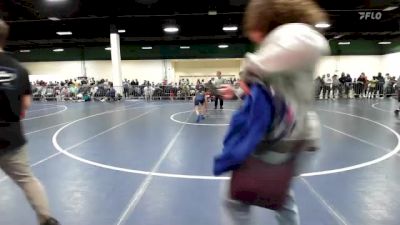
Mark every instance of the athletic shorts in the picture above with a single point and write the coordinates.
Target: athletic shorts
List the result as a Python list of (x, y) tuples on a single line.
[(199, 102)]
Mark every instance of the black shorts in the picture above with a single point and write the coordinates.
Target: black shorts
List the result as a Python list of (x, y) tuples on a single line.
[(199, 102)]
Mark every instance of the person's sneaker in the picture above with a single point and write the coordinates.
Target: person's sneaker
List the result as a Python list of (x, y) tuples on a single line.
[(221, 107), (51, 221), (198, 119), (396, 112)]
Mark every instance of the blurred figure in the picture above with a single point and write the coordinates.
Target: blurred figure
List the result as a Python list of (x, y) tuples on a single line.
[(290, 48), (15, 99)]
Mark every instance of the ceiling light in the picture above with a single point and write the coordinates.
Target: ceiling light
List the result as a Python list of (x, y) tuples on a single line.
[(230, 28), (121, 31), (54, 18), (24, 51), (344, 43), (171, 29), (56, 0), (385, 43), (58, 50), (63, 33), (108, 48), (223, 46), (390, 8), (185, 47), (147, 48), (212, 13), (322, 25)]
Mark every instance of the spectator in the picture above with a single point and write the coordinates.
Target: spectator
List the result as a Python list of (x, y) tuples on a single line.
[(335, 85), (148, 92), (373, 87), (386, 85), (381, 84), (365, 85), (342, 81), (125, 86), (359, 86), (327, 86), (390, 87), (318, 83), (347, 87)]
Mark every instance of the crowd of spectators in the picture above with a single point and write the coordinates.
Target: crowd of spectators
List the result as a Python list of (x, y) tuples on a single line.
[(327, 86), (103, 90)]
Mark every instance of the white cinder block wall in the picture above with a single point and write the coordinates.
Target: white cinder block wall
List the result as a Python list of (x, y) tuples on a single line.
[(157, 70)]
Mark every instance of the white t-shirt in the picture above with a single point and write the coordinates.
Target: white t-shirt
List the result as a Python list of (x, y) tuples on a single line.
[(328, 81)]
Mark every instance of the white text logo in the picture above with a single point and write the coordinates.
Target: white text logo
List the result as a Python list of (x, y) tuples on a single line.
[(370, 15)]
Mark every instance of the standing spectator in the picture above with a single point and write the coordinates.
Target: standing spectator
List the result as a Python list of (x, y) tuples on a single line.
[(15, 99), (348, 84), (327, 86), (342, 81), (148, 92), (390, 87), (125, 85), (218, 82), (365, 85), (381, 84), (386, 85), (373, 87), (318, 84), (335, 85), (359, 86)]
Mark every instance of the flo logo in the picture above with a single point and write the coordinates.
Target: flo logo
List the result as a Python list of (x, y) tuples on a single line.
[(370, 15)]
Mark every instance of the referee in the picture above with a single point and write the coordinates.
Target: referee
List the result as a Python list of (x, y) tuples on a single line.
[(218, 83)]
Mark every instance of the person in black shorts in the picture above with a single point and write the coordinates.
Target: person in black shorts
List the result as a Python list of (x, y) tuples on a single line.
[(15, 99)]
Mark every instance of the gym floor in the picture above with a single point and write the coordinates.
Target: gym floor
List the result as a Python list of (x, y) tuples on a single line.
[(137, 163)]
